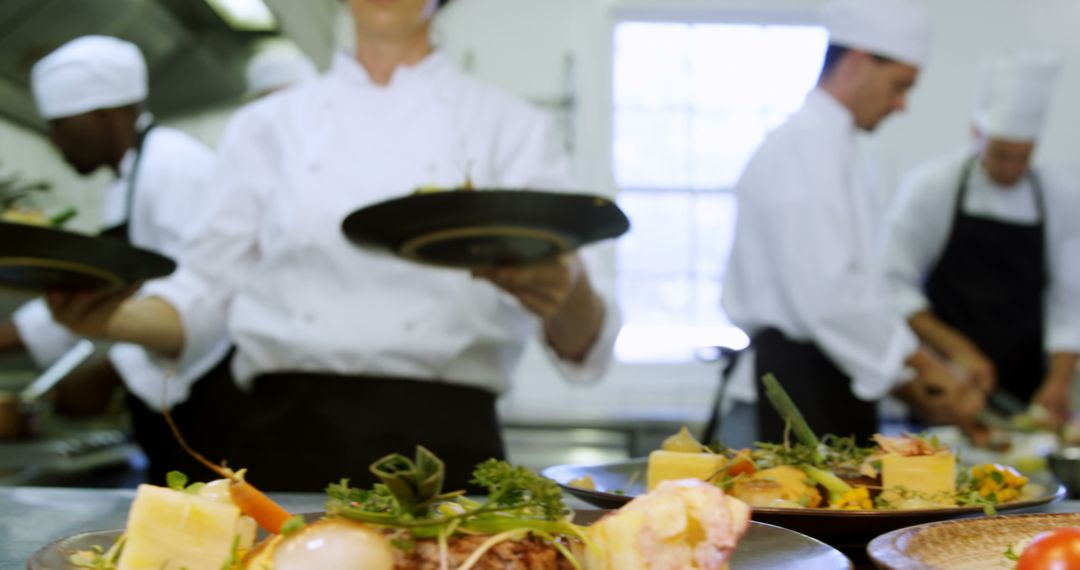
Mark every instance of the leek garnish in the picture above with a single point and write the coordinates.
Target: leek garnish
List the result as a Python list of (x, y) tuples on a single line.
[(791, 414)]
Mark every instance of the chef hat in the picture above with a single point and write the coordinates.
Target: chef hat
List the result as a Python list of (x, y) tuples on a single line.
[(277, 64), (896, 29), (1015, 94), (86, 74)]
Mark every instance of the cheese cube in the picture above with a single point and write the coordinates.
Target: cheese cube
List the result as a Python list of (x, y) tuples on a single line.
[(171, 530), (668, 465), (931, 477)]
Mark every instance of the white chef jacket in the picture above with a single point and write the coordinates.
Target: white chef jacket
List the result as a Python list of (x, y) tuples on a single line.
[(171, 187), (921, 223), (271, 261), (806, 254)]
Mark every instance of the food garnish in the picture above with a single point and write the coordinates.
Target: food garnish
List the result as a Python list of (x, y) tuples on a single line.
[(900, 472)]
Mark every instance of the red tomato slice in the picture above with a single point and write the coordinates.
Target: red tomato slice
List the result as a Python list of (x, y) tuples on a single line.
[(1053, 550)]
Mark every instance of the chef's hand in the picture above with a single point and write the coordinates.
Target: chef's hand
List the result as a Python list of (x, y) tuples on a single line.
[(114, 315), (558, 291), (977, 367), (938, 395), (541, 287), (1054, 395), (88, 313)]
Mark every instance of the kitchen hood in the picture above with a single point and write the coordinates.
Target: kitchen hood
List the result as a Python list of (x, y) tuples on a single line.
[(196, 59)]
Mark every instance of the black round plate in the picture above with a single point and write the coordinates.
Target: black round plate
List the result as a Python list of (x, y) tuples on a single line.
[(482, 228), (35, 258)]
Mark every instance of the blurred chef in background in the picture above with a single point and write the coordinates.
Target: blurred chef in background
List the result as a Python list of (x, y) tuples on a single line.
[(804, 279), (277, 64), (985, 249), (350, 354), (92, 91)]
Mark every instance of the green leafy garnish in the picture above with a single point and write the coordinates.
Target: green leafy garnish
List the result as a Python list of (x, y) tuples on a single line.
[(292, 525), (176, 480), (1011, 555), (410, 497)]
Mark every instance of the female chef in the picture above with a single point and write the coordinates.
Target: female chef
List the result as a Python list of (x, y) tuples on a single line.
[(351, 355)]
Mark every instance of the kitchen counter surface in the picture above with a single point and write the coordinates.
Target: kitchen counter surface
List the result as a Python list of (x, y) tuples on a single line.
[(31, 517)]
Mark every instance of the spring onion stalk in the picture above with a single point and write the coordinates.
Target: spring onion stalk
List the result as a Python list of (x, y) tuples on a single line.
[(836, 486), (780, 400)]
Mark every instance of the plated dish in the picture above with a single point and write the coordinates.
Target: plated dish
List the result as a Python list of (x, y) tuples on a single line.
[(981, 543), (765, 547), (486, 227), (409, 522), (37, 258)]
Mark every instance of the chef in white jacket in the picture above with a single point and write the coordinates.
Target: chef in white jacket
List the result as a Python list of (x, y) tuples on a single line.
[(350, 354), (984, 247), (91, 91), (804, 278)]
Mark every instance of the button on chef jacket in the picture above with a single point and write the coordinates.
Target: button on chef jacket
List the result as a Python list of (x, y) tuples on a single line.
[(806, 257), (272, 263), (170, 189), (922, 219)]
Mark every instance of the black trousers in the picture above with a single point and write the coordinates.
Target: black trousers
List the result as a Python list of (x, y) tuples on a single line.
[(206, 419), (302, 431), (820, 390)]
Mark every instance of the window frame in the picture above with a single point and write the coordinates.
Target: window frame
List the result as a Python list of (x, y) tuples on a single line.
[(681, 12)]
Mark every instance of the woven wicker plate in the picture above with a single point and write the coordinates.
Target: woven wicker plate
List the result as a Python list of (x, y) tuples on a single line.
[(961, 544)]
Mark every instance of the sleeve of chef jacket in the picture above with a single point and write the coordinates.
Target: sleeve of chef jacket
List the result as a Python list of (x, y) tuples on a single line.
[(1062, 199), (919, 225), (45, 340), (174, 188), (222, 246), (844, 303), (531, 156)]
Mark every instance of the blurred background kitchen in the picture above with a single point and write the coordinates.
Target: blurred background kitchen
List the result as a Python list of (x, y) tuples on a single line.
[(660, 103)]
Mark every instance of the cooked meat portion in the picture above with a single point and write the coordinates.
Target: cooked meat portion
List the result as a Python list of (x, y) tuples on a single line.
[(524, 554)]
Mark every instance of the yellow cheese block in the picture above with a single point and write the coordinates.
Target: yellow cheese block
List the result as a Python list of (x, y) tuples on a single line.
[(931, 477), (616, 539), (171, 530), (669, 465)]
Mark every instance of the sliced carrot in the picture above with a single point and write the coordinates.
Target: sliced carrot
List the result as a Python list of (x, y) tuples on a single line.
[(251, 501), (255, 504)]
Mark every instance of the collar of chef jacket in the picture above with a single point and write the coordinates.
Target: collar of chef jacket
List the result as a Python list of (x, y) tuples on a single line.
[(425, 70)]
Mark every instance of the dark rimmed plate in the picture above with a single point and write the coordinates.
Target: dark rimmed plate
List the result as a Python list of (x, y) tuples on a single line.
[(765, 547), (35, 258), (962, 544), (848, 530), (483, 228)]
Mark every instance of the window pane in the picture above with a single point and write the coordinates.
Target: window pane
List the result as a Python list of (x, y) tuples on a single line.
[(714, 224), (723, 144), (794, 55), (651, 149), (659, 238), (651, 65), (655, 301), (727, 73)]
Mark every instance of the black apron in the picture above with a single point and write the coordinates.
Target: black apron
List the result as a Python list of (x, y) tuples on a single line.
[(989, 284), (304, 430), (820, 390), (206, 418)]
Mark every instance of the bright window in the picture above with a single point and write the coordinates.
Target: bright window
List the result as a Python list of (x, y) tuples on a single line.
[(692, 101)]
